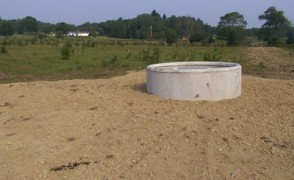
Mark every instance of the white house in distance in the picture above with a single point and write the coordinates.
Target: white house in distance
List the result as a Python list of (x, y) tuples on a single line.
[(78, 33)]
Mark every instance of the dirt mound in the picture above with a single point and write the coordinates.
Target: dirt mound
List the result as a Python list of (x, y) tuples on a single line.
[(111, 129), (279, 62)]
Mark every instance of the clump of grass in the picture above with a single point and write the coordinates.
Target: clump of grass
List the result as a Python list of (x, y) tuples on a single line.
[(3, 50), (175, 55), (212, 57)]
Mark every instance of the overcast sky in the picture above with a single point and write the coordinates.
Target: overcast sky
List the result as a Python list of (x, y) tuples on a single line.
[(81, 11)]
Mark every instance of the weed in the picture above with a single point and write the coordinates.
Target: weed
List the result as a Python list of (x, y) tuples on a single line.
[(212, 56), (151, 56), (113, 60), (109, 64), (192, 57), (261, 65), (129, 55)]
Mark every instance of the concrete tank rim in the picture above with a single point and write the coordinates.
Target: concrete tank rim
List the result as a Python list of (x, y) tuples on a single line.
[(223, 67)]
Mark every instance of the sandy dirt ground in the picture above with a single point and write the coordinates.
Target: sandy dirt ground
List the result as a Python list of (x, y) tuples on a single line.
[(113, 129)]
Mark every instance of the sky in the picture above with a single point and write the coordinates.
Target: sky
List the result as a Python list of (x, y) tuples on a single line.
[(80, 11)]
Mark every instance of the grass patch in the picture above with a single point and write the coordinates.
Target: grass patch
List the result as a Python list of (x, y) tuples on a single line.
[(100, 58)]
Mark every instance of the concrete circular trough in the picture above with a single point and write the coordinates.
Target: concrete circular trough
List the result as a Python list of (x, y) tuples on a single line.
[(194, 81)]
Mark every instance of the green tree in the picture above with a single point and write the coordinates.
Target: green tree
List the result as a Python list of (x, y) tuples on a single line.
[(153, 26), (27, 24), (174, 23), (6, 28), (164, 17), (157, 27), (235, 35), (290, 36), (274, 18), (171, 36), (63, 28), (46, 27), (231, 27), (187, 27), (116, 29), (275, 27), (144, 26), (198, 33)]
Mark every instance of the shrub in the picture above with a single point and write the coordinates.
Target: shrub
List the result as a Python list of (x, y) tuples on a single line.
[(276, 41), (66, 50)]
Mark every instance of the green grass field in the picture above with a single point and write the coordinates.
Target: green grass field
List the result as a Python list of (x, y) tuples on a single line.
[(33, 59)]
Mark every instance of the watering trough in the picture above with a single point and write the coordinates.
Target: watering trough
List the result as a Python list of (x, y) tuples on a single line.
[(193, 81)]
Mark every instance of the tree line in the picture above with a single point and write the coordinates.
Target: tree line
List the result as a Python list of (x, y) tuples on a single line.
[(276, 30)]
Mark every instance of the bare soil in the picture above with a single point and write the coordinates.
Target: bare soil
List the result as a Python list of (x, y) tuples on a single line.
[(113, 129)]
